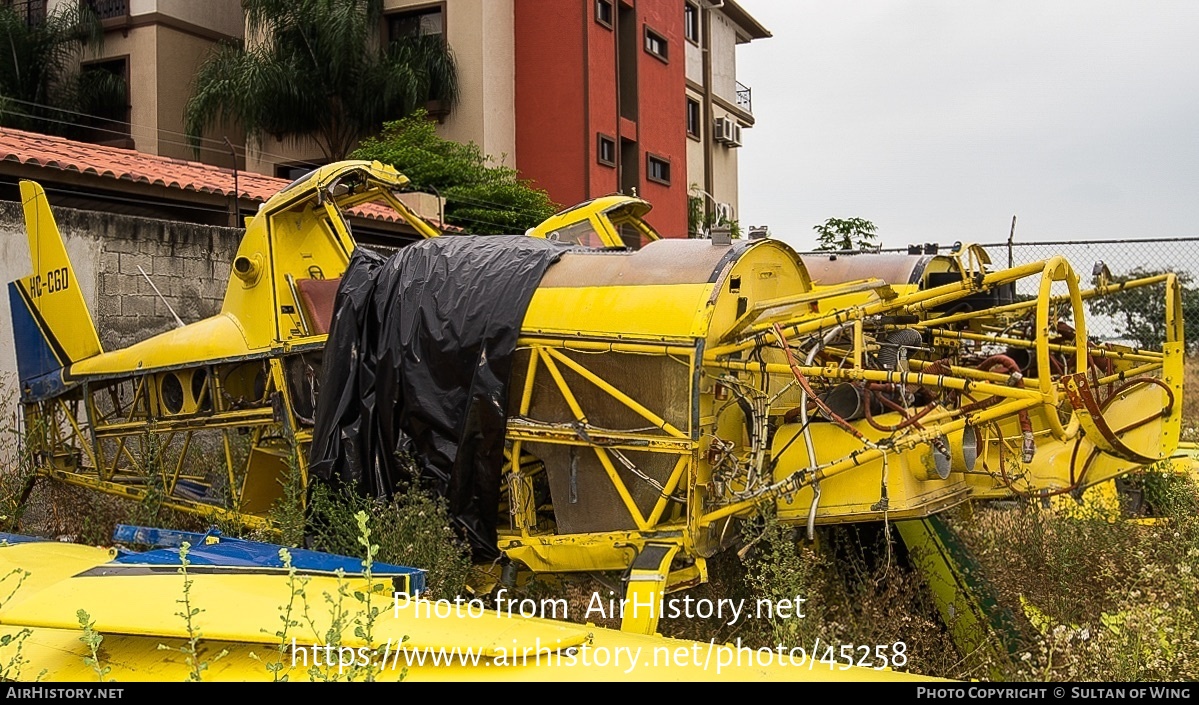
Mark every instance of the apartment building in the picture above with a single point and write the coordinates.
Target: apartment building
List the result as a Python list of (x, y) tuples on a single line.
[(593, 97), (156, 46), (719, 107), (584, 97)]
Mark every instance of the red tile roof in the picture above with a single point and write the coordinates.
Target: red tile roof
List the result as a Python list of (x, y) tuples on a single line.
[(50, 152), (130, 165)]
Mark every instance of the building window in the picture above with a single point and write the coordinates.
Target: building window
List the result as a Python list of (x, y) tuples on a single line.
[(656, 44), (605, 151), (657, 169), (603, 12), (425, 22), (294, 170), (691, 22), (106, 102), (693, 122), (33, 12)]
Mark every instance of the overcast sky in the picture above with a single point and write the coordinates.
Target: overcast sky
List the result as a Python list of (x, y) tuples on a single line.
[(940, 120)]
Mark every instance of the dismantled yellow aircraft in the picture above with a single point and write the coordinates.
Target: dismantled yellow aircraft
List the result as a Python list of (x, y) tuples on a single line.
[(661, 390), (236, 386)]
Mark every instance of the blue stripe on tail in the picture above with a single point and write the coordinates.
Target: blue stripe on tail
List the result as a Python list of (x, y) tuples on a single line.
[(38, 368)]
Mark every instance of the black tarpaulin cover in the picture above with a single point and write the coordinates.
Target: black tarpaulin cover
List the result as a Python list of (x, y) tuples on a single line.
[(418, 360)]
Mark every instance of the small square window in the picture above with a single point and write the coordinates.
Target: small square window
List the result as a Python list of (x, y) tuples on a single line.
[(656, 44), (691, 22), (657, 169), (603, 12), (693, 118), (605, 152)]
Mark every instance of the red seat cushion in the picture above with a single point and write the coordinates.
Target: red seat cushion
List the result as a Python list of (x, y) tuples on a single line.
[(317, 296)]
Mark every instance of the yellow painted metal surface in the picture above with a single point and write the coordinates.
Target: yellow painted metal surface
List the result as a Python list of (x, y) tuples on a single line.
[(60, 655), (209, 340), (658, 312), (240, 374), (939, 411), (146, 605), (663, 391), (53, 289), (296, 233), (237, 618), (605, 222), (967, 603)]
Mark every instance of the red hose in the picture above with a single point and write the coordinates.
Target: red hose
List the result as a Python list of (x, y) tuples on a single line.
[(803, 382)]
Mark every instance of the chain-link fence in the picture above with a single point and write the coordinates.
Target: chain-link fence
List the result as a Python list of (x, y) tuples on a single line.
[(1131, 318)]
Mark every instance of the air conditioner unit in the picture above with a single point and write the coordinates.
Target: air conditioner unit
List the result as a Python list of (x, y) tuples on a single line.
[(723, 129), (734, 134)]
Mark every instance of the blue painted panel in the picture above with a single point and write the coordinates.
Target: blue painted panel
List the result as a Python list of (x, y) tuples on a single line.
[(215, 549), (11, 539), (35, 358)]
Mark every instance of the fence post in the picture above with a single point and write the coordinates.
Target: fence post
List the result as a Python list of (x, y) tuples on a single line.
[(1010, 237)]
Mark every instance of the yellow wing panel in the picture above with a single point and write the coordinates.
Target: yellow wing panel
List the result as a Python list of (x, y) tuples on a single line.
[(146, 605), (48, 562), (611, 656), (240, 614)]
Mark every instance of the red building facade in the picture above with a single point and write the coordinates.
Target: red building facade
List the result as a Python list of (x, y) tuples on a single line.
[(598, 88)]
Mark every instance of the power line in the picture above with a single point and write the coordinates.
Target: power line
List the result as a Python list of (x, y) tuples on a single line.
[(244, 149), (220, 145)]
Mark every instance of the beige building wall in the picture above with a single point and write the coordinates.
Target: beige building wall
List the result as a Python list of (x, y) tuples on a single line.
[(724, 170), (480, 33), (164, 42), (694, 70), (219, 16), (721, 184), (222, 17), (140, 46), (180, 56), (724, 57), (481, 36), (696, 148), (264, 156)]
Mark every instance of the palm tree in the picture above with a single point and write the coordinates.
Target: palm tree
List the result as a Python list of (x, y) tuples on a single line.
[(317, 68), (42, 87)]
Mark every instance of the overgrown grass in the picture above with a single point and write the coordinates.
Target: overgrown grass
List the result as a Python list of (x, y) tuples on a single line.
[(859, 590), (1190, 398), (1105, 600), (413, 528), (58, 510), (17, 466)]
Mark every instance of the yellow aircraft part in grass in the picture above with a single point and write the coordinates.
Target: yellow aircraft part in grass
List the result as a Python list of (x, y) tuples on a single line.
[(239, 618)]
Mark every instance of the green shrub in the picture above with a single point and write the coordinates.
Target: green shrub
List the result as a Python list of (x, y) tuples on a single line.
[(413, 528)]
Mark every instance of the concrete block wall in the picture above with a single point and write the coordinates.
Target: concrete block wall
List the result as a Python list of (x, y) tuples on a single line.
[(189, 264)]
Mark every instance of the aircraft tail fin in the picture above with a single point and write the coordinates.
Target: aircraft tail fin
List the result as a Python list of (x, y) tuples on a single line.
[(51, 323)]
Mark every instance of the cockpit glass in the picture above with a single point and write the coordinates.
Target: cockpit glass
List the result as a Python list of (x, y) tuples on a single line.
[(580, 233)]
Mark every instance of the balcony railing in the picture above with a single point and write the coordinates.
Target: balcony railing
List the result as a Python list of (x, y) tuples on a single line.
[(745, 97), (109, 9)]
